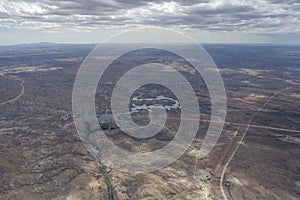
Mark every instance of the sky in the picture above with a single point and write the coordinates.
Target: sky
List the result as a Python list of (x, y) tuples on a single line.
[(207, 21)]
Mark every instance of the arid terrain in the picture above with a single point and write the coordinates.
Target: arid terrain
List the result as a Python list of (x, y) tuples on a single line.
[(256, 157)]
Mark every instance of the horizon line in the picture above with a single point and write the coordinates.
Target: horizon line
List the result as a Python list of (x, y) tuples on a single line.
[(124, 43)]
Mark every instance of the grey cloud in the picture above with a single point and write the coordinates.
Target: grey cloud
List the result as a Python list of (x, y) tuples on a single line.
[(222, 15)]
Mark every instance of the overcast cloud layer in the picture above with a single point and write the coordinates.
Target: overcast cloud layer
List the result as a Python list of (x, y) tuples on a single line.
[(251, 16)]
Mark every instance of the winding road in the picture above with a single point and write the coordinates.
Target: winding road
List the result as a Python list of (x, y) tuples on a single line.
[(242, 139), (21, 92)]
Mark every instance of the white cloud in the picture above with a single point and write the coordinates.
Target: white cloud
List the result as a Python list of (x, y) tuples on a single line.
[(263, 16)]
